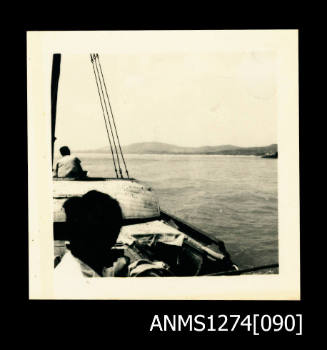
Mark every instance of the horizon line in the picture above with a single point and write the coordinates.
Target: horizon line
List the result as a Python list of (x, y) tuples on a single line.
[(171, 144)]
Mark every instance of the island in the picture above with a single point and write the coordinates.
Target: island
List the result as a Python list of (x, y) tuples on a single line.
[(164, 148)]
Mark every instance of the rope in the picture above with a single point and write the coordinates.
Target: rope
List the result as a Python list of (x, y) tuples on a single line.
[(238, 272), (112, 115), (113, 139), (104, 116)]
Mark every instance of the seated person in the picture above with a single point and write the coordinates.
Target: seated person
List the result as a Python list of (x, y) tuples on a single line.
[(94, 222), (68, 165)]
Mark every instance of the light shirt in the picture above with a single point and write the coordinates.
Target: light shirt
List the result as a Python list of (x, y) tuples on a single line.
[(71, 278), (72, 267), (69, 166)]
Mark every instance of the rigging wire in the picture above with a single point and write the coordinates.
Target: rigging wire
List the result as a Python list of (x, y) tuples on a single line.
[(103, 96), (112, 115), (104, 116), (239, 272)]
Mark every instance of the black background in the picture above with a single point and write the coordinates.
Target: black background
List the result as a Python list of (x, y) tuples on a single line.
[(68, 321)]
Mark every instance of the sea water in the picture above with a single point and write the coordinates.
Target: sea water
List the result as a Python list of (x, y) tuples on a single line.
[(234, 198)]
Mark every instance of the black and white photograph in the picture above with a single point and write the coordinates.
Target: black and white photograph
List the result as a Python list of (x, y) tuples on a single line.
[(163, 165)]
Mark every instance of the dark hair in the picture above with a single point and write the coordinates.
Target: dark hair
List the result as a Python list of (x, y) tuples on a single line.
[(74, 209), (64, 150), (103, 207), (94, 215)]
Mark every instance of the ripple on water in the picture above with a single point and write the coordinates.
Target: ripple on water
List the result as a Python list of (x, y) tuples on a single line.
[(233, 198)]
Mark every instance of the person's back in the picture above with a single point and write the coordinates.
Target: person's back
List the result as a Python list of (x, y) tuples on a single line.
[(68, 165)]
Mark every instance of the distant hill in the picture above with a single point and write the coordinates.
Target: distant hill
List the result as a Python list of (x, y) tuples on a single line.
[(165, 148), (251, 151)]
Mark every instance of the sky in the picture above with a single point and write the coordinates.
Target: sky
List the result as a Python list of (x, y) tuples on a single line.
[(186, 99)]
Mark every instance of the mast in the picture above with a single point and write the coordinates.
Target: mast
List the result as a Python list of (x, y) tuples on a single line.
[(54, 93)]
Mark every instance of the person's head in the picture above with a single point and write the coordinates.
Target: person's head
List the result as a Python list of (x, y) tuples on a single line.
[(95, 220), (64, 151)]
